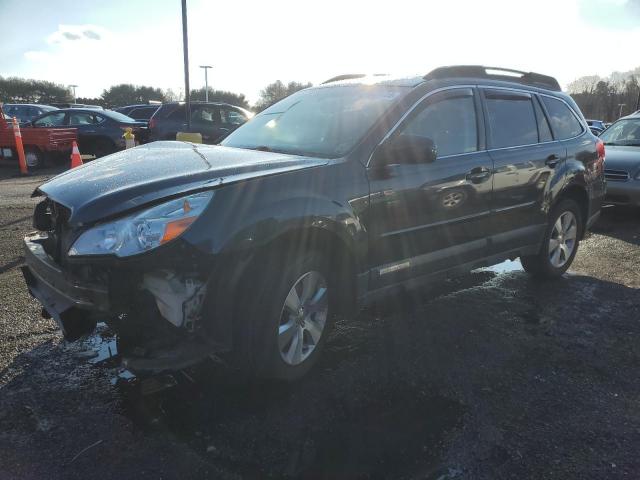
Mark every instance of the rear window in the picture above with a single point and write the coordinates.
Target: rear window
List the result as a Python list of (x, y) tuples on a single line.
[(511, 119), (563, 121)]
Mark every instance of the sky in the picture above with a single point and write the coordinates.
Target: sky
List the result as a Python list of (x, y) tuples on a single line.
[(250, 43)]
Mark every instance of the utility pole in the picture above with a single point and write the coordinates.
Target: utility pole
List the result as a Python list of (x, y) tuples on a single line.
[(206, 82), (620, 112), (185, 48), (74, 92)]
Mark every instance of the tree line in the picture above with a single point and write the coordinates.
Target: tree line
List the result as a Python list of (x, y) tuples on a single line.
[(20, 90), (607, 98)]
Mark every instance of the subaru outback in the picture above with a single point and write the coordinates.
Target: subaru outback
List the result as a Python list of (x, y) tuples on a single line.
[(335, 196)]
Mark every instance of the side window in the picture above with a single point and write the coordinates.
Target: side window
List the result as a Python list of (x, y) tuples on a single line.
[(544, 132), (205, 114), (511, 119), (53, 120), (232, 117), (81, 118), (563, 120), (449, 121)]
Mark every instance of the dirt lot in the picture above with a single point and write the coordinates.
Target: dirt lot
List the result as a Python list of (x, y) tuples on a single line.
[(490, 376)]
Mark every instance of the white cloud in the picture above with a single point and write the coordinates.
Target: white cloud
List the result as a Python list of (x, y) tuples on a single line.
[(72, 33)]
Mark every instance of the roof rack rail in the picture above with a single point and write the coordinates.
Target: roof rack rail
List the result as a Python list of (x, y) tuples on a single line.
[(348, 76), (496, 73)]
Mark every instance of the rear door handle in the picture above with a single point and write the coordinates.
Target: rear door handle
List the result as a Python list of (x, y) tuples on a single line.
[(478, 174), (552, 160)]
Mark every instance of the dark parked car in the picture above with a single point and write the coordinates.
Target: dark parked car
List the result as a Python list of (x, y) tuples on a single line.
[(77, 105), (25, 112), (622, 140), (139, 112), (596, 126), (212, 120), (332, 197), (99, 132)]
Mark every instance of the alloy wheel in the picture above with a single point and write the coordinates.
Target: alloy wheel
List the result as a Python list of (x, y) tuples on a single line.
[(303, 318), (563, 239)]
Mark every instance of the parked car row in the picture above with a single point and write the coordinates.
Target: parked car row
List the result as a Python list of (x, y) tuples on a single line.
[(322, 203), (100, 132)]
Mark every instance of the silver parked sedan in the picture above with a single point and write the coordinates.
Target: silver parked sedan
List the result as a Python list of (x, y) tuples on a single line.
[(622, 165)]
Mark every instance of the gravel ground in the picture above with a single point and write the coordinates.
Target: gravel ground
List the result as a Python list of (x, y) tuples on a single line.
[(488, 376)]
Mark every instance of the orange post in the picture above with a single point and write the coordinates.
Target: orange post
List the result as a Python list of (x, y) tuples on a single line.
[(19, 147), (76, 159)]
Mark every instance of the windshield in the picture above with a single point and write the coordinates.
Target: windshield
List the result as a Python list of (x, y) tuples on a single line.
[(118, 117), (623, 132), (320, 122)]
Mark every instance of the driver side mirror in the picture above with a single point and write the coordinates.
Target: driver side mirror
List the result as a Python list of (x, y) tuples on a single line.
[(406, 149)]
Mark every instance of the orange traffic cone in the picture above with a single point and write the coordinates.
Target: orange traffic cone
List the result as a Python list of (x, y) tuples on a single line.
[(76, 159), (19, 147)]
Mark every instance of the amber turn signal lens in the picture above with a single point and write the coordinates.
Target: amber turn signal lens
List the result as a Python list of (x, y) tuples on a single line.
[(174, 229)]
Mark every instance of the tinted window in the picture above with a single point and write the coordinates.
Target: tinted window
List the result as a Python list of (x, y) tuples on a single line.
[(204, 114), (450, 122), (81, 118), (143, 113), (511, 119), (233, 117), (563, 121), (53, 120), (544, 132)]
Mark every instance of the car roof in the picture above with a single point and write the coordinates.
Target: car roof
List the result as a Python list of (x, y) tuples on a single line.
[(484, 75), (39, 105)]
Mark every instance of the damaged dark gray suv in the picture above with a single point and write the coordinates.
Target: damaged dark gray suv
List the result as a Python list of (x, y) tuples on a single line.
[(328, 199)]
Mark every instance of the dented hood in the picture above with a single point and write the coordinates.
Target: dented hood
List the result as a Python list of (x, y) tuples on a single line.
[(131, 178)]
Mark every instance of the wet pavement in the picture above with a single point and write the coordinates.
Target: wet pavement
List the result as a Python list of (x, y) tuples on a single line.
[(491, 375)]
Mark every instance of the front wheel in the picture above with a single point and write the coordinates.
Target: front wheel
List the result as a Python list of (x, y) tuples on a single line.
[(560, 243), (285, 327)]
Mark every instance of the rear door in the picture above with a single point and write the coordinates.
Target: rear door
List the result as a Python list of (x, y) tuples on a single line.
[(426, 217), (524, 156)]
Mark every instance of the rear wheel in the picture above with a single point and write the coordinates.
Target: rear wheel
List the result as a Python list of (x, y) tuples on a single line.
[(101, 147), (33, 158), (560, 243), (284, 326)]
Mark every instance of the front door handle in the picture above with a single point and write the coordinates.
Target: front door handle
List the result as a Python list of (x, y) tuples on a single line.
[(552, 160), (478, 174)]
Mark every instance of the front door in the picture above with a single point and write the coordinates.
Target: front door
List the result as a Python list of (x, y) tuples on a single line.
[(205, 119), (426, 217)]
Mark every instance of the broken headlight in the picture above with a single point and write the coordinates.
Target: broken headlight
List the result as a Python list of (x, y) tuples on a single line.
[(143, 230)]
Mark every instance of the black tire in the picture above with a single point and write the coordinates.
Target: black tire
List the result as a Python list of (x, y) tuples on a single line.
[(258, 318), (101, 147), (541, 265), (34, 158)]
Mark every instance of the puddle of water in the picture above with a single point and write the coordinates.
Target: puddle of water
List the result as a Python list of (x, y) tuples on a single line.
[(506, 266)]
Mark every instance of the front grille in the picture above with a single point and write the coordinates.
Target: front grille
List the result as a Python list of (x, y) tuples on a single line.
[(616, 175)]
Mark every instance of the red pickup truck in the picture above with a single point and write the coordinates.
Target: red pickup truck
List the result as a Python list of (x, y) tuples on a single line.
[(39, 143)]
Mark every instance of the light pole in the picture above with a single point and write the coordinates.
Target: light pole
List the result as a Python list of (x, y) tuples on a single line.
[(206, 82), (74, 92), (185, 50), (620, 112)]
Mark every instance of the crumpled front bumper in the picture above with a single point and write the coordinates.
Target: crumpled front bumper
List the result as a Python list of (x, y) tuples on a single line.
[(76, 305), (62, 296)]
